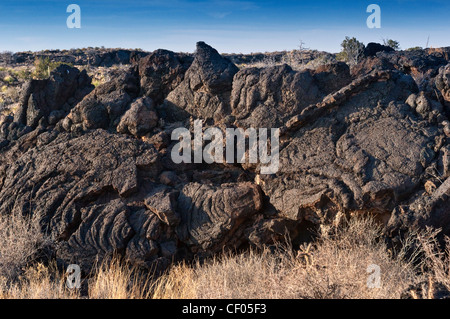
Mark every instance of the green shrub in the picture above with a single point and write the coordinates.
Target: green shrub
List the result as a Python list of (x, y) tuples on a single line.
[(414, 49), (24, 74), (392, 44), (352, 50), (43, 67), (96, 83), (8, 79)]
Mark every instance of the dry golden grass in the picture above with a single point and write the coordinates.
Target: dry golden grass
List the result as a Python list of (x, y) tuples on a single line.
[(179, 283), (21, 240), (38, 282), (111, 280), (116, 280), (335, 265), (435, 263)]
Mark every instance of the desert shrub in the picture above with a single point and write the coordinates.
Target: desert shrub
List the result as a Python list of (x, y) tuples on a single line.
[(21, 240), (392, 44), (12, 93), (267, 61), (352, 50), (436, 259), (43, 67), (24, 74), (96, 83), (321, 60), (8, 79), (414, 49)]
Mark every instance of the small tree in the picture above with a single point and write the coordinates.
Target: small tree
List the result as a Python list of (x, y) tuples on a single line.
[(352, 50), (301, 50), (392, 44)]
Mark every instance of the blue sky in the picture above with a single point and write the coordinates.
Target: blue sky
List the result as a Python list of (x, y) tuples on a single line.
[(228, 25)]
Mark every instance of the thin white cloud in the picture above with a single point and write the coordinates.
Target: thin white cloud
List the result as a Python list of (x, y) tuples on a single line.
[(219, 15)]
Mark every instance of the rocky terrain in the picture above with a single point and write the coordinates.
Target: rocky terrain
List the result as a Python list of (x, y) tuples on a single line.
[(94, 161)]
